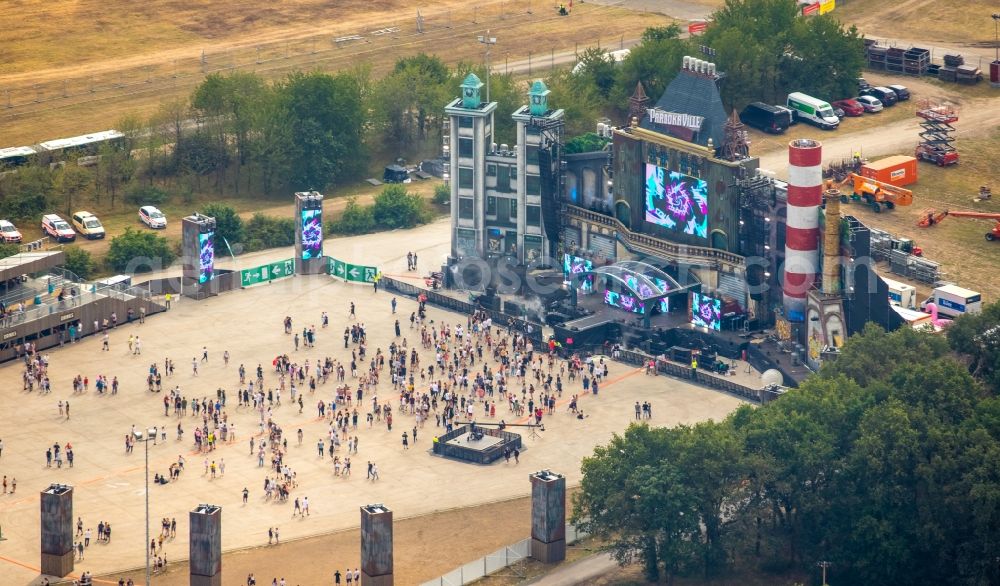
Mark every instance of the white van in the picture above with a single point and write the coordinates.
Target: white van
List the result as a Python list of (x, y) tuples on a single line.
[(812, 110)]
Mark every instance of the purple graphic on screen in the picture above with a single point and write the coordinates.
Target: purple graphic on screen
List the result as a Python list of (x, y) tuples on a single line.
[(623, 301), (706, 311), (676, 201), (574, 265), (312, 234), (206, 257)]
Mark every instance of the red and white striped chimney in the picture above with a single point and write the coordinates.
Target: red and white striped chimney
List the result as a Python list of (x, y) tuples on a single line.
[(805, 193)]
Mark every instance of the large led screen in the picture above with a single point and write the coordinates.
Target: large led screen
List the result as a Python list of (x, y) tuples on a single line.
[(623, 301), (312, 234), (206, 257), (676, 201), (706, 312)]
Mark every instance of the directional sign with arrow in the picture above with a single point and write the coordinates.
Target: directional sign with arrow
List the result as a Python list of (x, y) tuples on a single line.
[(268, 272), (352, 273)]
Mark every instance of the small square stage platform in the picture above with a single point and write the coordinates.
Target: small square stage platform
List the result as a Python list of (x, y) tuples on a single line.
[(485, 445)]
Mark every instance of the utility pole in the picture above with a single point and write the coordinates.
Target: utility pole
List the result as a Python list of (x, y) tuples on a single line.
[(824, 565), (145, 437), (489, 42)]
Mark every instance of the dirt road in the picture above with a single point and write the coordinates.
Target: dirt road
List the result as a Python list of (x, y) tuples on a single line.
[(976, 117)]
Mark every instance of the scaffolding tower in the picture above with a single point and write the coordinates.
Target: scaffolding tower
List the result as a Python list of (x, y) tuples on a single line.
[(937, 133)]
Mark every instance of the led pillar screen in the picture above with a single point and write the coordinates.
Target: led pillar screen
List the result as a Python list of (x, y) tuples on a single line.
[(573, 266), (676, 201), (664, 286), (206, 257), (624, 301), (706, 312), (312, 234)]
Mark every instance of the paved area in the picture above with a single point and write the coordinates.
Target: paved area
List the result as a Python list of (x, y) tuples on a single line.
[(109, 484), (580, 572)]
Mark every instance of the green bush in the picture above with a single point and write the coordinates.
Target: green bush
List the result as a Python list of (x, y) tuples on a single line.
[(26, 193), (357, 219), (25, 206), (138, 252), (9, 250), (80, 262), (268, 232), (228, 224), (395, 207), (145, 195), (442, 195), (586, 143)]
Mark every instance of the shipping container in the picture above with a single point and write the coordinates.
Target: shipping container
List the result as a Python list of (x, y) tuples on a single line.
[(898, 170)]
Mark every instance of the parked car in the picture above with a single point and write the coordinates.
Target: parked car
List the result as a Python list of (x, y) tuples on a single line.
[(58, 228), (87, 224), (152, 217), (870, 104), (772, 119), (884, 95), (838, 112), (9, 233), (850, 106), (863, 84), (902, 94)]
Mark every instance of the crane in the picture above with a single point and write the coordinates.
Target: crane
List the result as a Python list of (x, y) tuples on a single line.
[(930, 218), (876, 193)]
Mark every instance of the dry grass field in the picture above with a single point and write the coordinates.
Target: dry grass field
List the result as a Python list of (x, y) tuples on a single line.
[(114, 33), (132, 67), (966, 22)]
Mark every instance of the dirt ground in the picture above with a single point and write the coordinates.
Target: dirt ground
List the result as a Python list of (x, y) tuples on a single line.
[(424, 548), (58, 101), (967, 22)]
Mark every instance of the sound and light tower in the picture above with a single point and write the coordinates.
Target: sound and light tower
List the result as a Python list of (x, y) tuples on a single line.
[(805, 193)]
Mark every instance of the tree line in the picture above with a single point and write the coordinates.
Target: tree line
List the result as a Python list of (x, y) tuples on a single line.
[(764, 47), (886, 463)]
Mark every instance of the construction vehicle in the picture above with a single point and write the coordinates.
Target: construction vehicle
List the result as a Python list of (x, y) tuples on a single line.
[(876, 193), (932, 217), (936, 137)]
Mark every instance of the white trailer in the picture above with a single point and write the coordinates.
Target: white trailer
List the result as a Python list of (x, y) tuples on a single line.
[(901, 294), (953, 301)]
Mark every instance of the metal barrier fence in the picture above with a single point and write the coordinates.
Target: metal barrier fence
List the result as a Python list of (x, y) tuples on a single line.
[(676, 369), (504, 557), (42, 310), (532, 330)]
